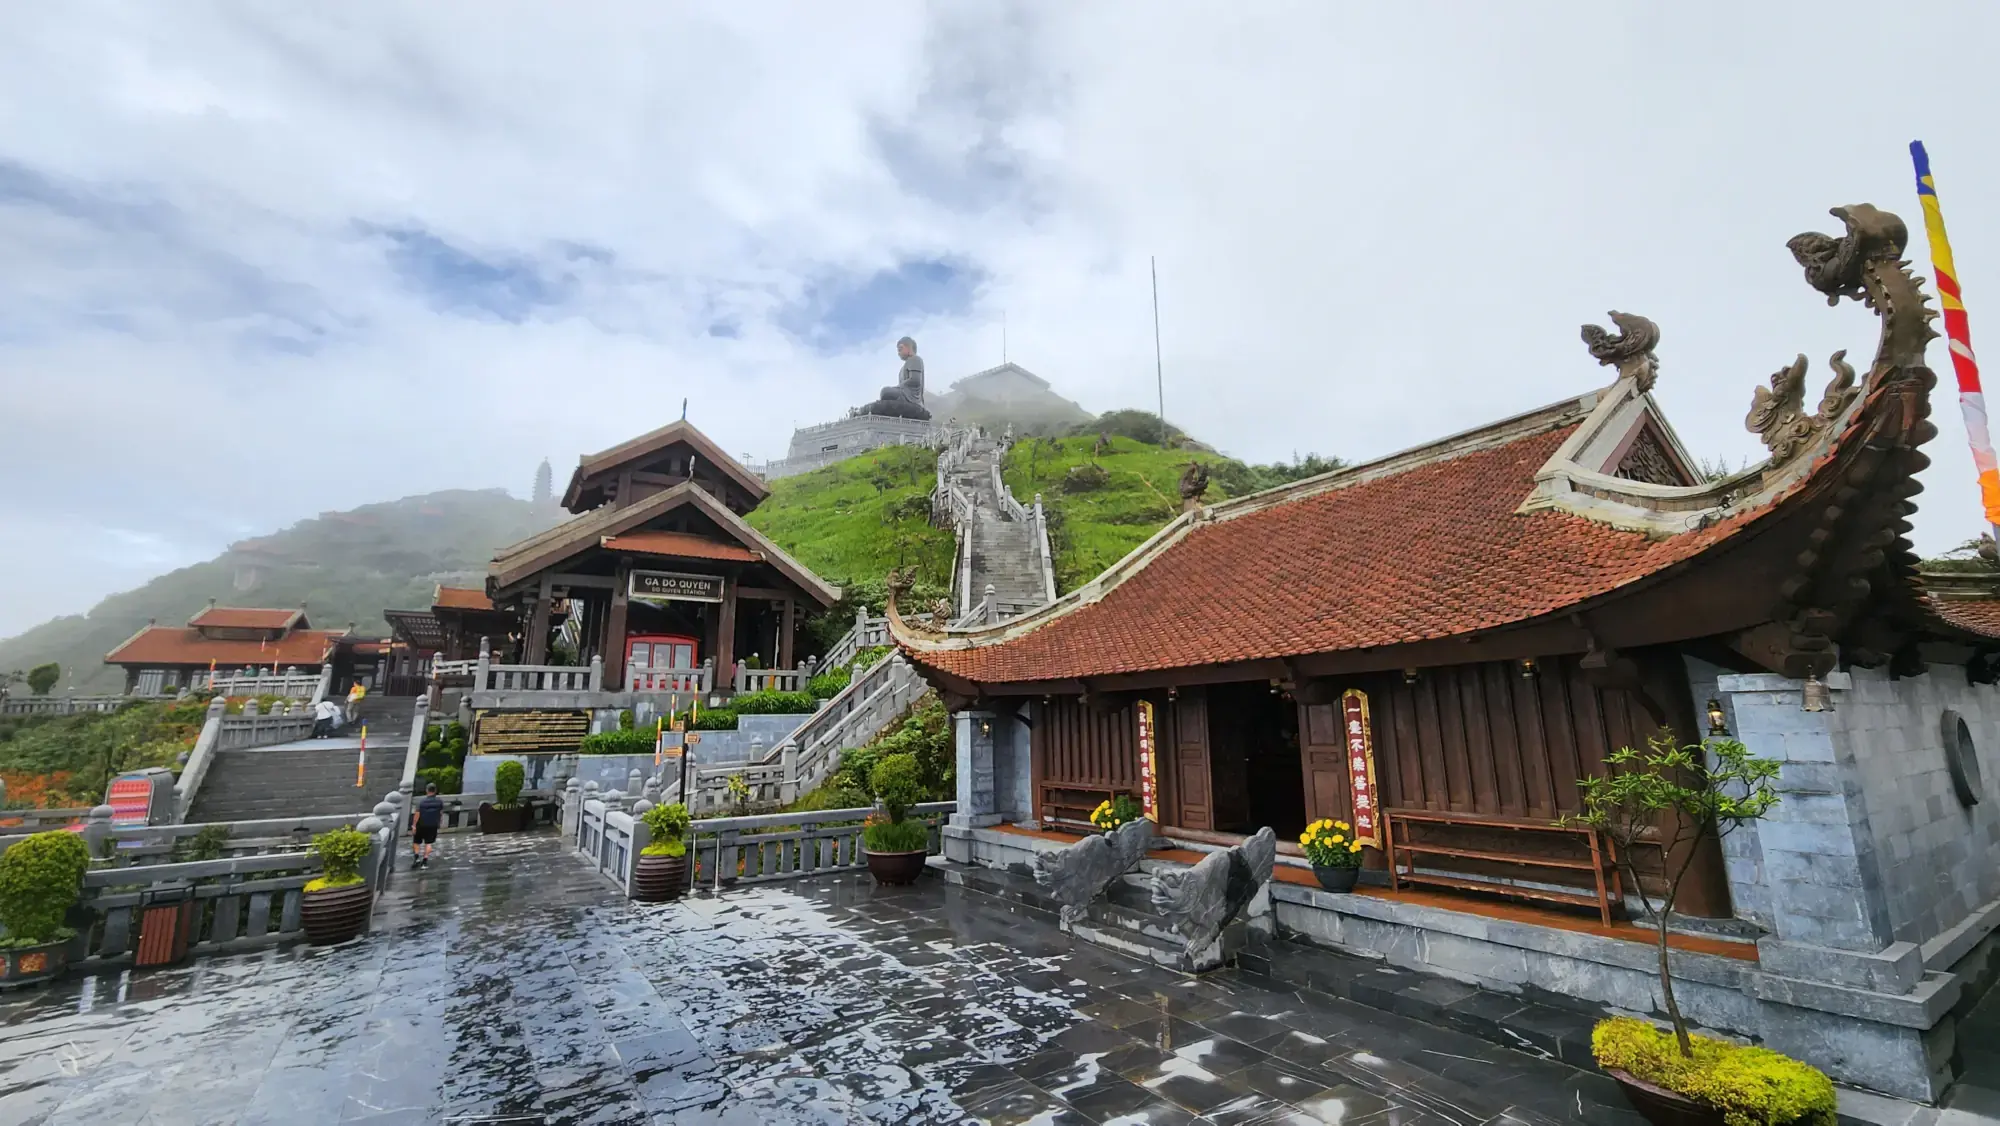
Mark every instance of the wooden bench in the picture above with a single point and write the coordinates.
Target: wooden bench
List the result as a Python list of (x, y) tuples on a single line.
[(1602, 864), (1065, 802)]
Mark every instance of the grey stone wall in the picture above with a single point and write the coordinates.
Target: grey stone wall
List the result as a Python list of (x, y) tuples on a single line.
[(993, 773), (1742, 852), (815, 446), (1940, 861)]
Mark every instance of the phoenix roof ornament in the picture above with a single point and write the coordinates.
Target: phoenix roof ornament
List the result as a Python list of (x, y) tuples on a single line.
[(1630, 350)]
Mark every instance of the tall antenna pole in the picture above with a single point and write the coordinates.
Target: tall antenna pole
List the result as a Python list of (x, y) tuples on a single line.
[(1159, 372)]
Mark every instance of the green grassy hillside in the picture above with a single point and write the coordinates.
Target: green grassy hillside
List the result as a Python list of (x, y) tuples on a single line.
[(855, 521), (346, 567)]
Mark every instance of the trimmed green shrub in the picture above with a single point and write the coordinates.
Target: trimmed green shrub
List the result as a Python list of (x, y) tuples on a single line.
[(1750, 1086), (895, 836), (508, 778), (208, 844), (449, 779), (714, 719), (774, 703), (39, 881), (623, 742), (42, 678), (625, 719), (668, 825), (898, 784), (340, 853), (831, 795), (829, 684)]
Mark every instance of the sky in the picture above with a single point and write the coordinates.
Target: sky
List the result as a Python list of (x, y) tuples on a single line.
[(263, 260)]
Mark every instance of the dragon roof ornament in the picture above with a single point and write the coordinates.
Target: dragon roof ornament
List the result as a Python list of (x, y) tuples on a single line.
[(1630, 350)]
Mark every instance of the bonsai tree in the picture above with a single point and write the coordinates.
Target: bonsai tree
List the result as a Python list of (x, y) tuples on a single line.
[(508, 778), (668, 825), (1669, 796), (340, 853), (898, 784), (39, 881)]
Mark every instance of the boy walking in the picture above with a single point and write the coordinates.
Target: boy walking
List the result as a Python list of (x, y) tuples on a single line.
[(425, 820)]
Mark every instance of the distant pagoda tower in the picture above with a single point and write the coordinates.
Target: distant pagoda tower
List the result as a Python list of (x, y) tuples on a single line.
[(544, 483)]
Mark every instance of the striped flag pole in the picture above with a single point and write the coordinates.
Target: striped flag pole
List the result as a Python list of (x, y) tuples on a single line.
[(361, 763), (1958, 338)]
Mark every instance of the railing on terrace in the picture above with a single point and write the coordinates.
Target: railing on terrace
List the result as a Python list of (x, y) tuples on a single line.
[(690, 681), (291, 684), (223, 732), (725, 851), (64, 705), (867, 633), (1042, 550)]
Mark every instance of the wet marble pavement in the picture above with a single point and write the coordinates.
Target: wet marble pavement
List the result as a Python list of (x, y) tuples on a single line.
[(507, 984)]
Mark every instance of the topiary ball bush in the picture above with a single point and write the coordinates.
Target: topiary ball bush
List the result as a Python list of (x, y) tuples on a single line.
[(898, 784), (508, 778), (340, 853), (39, 881)]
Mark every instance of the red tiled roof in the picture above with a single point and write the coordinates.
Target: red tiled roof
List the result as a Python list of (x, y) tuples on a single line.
[(683, 545), (462, 598), (1977, 615), (171, 645), (232, 617), (1437, 550)]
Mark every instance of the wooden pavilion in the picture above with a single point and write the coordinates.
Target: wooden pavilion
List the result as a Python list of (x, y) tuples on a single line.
[(657, 570)]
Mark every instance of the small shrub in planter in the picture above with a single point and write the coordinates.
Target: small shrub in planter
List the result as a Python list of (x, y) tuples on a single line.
[(1115, 811), (39, 881), (896, 845), (1742, 1086), (1335, 854), (620, 742), (715, 719), (507, 814), (336, 904), (662, 870)]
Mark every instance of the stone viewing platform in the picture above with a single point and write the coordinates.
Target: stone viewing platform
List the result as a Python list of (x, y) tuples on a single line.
[(510, 983)]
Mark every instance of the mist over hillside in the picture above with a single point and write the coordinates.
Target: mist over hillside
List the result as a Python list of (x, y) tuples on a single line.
[(345, 566)]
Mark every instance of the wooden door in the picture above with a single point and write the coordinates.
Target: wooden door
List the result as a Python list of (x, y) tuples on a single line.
[(1323, 755), (1193, 786)]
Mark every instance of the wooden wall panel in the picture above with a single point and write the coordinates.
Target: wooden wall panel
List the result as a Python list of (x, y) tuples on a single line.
[(1193, 786)]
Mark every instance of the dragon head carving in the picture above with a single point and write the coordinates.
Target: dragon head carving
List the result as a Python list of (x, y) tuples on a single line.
[(1630, 350)]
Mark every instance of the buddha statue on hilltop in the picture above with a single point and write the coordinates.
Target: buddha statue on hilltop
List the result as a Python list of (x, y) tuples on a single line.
[(906, 398)]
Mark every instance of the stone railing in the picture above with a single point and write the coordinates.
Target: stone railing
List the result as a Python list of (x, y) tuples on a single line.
[(748, 679), (223, 732), (291, 684), (871, 701), (692, 681), (607, 831), (62, 705), (867, 633), (1042, 550), (1010, 508)]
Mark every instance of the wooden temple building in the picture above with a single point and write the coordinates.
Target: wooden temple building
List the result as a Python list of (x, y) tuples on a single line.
[(164, 660), (451, 630), (1436, 646), (656, 583)]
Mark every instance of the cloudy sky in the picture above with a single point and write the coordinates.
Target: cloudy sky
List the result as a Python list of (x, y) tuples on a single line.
[(259, 260)]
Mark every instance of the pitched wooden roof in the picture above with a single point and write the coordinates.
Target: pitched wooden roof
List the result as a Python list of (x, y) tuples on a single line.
[(460, 598), (177, 645), (646, 445), (680, 545), (234, 617), (593, 528)]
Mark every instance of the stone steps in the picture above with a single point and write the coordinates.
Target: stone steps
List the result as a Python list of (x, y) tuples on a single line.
[(310, 782)]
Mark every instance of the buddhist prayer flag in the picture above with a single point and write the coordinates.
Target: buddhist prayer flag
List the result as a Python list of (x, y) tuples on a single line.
[(1958, 338)]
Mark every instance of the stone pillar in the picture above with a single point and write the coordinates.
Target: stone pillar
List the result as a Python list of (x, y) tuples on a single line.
[(788, 625), (572, 808), (635, 781), (972, 737), (1820, 874), (97, 831), (597, 673)]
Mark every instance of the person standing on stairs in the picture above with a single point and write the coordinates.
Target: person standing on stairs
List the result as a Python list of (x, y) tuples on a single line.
[(354, 696), (326, 717), (424, 822)]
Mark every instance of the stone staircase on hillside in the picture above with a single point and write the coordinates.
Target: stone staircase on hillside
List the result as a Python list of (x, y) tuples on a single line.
[(1002, 545), (313, 777)]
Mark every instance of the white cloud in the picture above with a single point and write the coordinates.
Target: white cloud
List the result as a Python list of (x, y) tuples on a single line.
[(1374, 226)]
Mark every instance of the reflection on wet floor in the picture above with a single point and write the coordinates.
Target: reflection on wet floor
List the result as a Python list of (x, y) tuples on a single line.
[(508, 984)]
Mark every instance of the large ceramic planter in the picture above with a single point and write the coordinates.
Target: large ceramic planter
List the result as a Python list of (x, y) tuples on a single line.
[(897, 867), (335, 914), (493, 819), (1336, 879), (659, 878), (1662, 1107), (27, 965)]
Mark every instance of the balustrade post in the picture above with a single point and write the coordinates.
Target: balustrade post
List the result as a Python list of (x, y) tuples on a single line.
[(742, 675), (572, 809), (788, 759), (485, 663), (992, 604), (635, 781), (597, 672), (97, 830)]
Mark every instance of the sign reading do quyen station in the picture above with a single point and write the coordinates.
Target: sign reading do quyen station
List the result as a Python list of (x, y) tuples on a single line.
[(668, 586)]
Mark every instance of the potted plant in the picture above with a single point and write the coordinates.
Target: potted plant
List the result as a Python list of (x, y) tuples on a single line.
[(1115, 811), (1673, 796), (337, 901), (507, 814), (896, 844), (1335, 855), (662, 872), (39, 881)]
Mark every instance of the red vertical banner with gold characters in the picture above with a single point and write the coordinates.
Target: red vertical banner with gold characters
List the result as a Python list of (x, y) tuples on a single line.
[(1149, 787), (1361, 766)]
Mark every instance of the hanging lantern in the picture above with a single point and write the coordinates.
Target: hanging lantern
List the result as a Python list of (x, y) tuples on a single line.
[(1816, 698), (1718, 725)]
